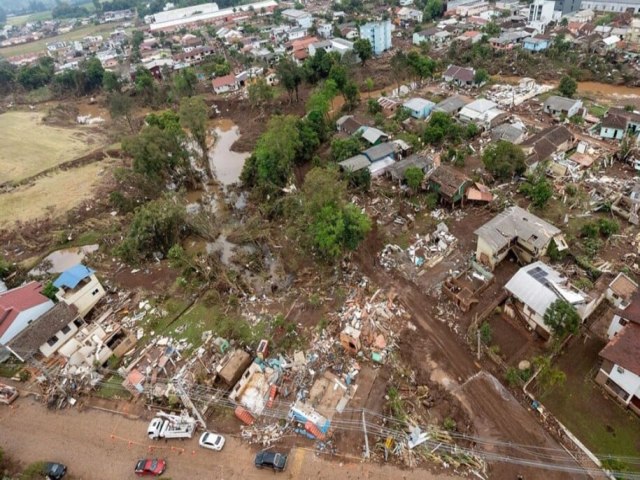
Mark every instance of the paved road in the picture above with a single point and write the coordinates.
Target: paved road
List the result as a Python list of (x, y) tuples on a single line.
[(97, 445)]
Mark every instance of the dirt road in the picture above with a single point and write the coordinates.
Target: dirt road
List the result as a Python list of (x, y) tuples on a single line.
[(98, 445), (437, 353)]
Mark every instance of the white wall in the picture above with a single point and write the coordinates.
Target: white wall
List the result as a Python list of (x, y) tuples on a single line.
[(48, 350), (24, 319), (614, 327), (628, 381), (85, 298)]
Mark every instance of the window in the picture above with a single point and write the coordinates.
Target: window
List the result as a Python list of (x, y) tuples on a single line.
[(52, 341), (620, 369), (95, 292), (66, 329)]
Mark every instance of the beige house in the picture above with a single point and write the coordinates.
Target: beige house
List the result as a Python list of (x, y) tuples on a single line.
[(79, 286), (519, 231)]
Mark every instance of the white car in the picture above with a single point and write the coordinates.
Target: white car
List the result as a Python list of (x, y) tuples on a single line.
[(212, 441)]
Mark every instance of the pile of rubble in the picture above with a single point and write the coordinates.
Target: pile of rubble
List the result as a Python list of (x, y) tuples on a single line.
[(427, 251)]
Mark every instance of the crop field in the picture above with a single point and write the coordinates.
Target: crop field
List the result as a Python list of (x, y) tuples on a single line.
[(30, 146), (52, 195)]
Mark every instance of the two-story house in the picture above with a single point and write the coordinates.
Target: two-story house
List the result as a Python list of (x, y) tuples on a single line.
[(19, 307), (79, 286)]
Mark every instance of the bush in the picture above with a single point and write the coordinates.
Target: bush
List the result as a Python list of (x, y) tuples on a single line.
[(449, 424), (608, 227), (485, 333), (538, 190), (589, 230)]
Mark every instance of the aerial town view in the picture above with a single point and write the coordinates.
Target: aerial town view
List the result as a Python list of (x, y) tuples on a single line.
[(319, 239)]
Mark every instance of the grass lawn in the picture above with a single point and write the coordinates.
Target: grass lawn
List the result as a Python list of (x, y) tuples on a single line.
[(32, 17), (583, 407), (112, 388), (597, 110), (30, 146), (75, 34), (52, 195)]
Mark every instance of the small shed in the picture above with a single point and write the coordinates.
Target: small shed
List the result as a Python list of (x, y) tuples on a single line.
[(450, 184)]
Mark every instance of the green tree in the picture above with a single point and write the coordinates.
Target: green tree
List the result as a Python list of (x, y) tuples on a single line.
[(351, 96), (568, 86), (156, 227), (538, 190), (144, 83), (562, 318), (7, 76), (37, 75), (290, 76), (194, 117), (492, 29), (414, 177), (363, 48), (269, 168), (121, 106), (49, 291), (421, 66), (330, 225), (369, 84), (432, 10), (548, 376), (93, 74), (343, 148), (399, 65), (441, 127), (111, 82), (481, 76), (260, 94), (185, 83), (504, 159)]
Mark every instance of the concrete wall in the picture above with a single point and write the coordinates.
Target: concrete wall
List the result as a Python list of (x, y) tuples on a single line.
[(85, 298), (62, 338)]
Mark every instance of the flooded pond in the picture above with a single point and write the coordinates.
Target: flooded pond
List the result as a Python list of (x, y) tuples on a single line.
[(61, 260), (226, 165)]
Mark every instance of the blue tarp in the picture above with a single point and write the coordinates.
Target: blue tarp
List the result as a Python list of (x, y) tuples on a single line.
[(71, 277)]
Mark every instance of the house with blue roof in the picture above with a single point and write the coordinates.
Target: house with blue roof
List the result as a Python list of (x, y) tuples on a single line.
[(79, 286)]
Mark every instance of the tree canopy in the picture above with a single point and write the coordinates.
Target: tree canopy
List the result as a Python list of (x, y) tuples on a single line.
[(562, 318), (362, 47), (504, 159), (568, 86)]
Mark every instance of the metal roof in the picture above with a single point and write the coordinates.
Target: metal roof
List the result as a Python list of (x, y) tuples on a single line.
[(378, 152), (516, 222), (356, 163), (71, 277)]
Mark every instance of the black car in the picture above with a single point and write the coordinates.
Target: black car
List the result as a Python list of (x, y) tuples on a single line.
[(54, 471), (274, 460)]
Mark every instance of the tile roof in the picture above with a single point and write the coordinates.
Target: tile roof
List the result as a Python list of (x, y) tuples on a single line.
[(15, 301), (449, 179), (547, 141), (623, 286), (459, 73), (41, 330), (624, 348)]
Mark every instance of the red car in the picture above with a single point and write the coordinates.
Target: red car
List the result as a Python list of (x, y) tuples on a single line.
[(150, 466)]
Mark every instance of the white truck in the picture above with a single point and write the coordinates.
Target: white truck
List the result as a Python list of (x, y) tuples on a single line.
[(165, 425)]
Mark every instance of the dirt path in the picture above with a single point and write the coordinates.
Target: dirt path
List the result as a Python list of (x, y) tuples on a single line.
[(496, 415), (97, 445)]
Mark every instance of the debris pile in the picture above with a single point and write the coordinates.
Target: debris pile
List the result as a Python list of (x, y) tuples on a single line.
[(427, 251)]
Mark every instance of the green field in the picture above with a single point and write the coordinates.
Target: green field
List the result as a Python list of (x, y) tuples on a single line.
[(76, 34), (33, 17)]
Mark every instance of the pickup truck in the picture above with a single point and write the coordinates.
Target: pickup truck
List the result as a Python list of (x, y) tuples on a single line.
[(273, 460)]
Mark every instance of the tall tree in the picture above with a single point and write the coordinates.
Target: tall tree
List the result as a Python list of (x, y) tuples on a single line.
[(260, 94), (362, 47), (399, 64), (562, 318), (290, 77), (184, 83), (121, 106), (568, 86), (504, 159), (194, 117), (145, 85)]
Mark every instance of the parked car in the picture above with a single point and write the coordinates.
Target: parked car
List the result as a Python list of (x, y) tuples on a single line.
[(274, 460), (212, 441), (150, 466), (54, 471)]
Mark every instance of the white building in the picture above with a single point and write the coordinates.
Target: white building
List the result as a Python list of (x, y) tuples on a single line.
[(612, 6), (299, 17), (79, 286), (483, 112), (541, 13), (379, 34), (19, 307), (338, 45)]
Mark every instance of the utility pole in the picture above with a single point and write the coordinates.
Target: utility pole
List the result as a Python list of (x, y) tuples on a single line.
[(186, 400), (366, 439), (479, 346)]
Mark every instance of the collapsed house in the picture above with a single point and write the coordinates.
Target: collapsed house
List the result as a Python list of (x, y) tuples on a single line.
[(519, 231)]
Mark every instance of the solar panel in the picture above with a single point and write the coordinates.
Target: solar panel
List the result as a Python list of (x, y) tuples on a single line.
[(539, 274)]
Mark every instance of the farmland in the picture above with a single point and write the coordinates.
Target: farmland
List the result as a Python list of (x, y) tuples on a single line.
[(30, 146), (52, 195)]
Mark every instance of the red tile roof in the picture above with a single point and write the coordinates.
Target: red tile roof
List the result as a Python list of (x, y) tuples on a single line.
[(624, 348), (222, 81), (18, 300)]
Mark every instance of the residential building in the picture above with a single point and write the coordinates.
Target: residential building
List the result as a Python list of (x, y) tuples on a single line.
[(338, 45), (425, 36), (619, 372), (508, 132), (535, 44), (482, 112), (541, 14), (355, 163), (378, 34), (567, 7), (298, 17), (472, 9), (617, 6), (519, 231), (372, 135), (452, 105), (460, 76), (406, 14), (348, 124), (617, 122), (94, 344), (47, 333), (633, 34), (423, 162), (79, 286), (554, 139), (534, 288), (560, 106), (508, 40), (225, 84), (380, 152), (621, 291), (19, 307), (450, 184), (420, 108)]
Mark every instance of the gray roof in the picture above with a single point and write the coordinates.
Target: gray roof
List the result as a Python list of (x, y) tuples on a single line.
[(513, 223), (416, 160), (378, 152), (417, 104), (356, 163), (538, 285), (559, 103), (451, 104), (372, 134), (42, 329), (506, 132)]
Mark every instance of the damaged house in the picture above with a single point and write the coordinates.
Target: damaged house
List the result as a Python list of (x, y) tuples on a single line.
[(519, 231), (534, 288), (79, 286), (449, 184), (617, 122), (555, 139)]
